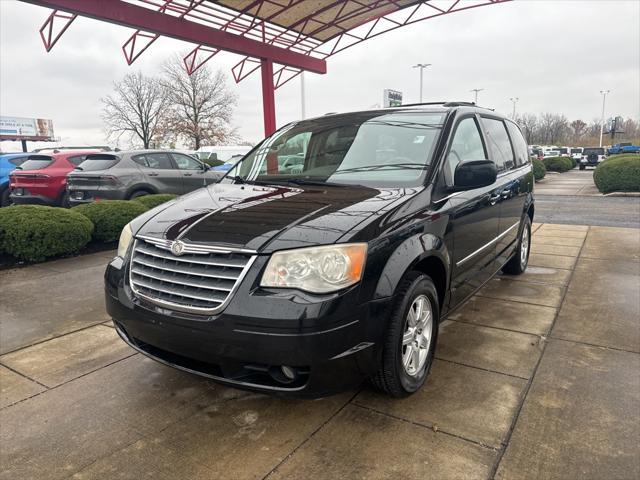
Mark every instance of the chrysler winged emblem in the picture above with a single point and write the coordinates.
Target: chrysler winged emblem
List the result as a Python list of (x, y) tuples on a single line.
[(177, 248)]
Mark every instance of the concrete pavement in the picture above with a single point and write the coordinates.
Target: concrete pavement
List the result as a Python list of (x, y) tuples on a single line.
[(573, 182), (536, 377)]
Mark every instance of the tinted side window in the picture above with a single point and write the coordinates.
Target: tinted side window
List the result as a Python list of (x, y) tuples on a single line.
[(185, 162), (519, 144), (160, 161), (466, 146), (499, 143)]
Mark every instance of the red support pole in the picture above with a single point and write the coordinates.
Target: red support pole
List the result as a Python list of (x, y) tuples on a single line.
[(268, 96)]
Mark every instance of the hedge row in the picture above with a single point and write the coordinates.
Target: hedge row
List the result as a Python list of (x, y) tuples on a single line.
[(539, 170), (35, 233), (620, 173), (559, 164)]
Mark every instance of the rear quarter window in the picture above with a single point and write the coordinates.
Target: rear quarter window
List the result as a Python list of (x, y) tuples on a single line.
[(520, 148), (499, 144)]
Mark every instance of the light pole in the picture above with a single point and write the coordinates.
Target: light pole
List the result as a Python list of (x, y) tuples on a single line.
[(302, 96), (421, 66), (476, 90), (514, 100), (604, 99)]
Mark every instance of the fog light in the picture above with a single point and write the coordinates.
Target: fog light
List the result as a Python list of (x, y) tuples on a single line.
[(288, 372)]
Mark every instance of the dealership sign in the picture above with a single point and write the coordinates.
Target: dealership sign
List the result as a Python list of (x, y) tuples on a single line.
[(19, 128), (392, 98)]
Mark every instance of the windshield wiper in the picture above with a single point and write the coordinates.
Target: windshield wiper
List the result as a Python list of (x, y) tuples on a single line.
[(389, 166), (304, 181)]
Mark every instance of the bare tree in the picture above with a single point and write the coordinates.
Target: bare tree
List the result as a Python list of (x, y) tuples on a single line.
[(529, 124), (137, 108), (578, 128), (201, 104)]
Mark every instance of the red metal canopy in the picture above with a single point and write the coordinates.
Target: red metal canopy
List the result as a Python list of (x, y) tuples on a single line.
[(296, 35)]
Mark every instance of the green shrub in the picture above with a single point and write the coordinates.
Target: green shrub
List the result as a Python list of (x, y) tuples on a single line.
[(620, 173), (557, 164), (573, 161), (35, 232), (151, 201), (110, 216), (539, 170)]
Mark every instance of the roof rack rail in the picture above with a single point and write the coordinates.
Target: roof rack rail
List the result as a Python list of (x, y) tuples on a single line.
[(416, 104), (460, 104), (444, 104)]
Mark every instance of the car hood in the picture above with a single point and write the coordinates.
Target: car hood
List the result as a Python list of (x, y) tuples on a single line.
[(269, 218)]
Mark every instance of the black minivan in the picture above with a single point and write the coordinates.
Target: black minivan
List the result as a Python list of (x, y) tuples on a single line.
[(307, 280)]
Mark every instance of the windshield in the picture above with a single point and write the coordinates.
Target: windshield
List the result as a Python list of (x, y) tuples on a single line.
[(98, 162), (37, 162), (591, 151), (576, 150), (375, 149)]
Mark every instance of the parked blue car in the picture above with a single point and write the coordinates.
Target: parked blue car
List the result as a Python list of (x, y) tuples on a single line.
[(623, 148), (8, 162)]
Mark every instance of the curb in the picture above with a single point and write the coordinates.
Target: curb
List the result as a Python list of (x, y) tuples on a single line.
[(622, 194)]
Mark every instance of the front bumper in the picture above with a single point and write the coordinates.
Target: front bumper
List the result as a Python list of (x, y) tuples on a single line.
[(331, 342)]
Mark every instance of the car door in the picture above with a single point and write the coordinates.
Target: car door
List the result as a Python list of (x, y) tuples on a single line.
[(512, 186), (194, 173), (474, 215), (162, 173)]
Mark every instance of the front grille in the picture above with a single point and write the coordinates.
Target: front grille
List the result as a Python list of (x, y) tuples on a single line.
[(199, 282)]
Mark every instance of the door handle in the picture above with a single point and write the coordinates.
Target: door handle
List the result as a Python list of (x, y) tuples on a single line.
[(153, 174), (188, 174)]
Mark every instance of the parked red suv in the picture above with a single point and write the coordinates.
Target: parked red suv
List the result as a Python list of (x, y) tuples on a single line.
[(42, 179)]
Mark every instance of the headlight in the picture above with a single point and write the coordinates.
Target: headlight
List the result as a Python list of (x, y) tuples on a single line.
[(125, 240), (317, 269)]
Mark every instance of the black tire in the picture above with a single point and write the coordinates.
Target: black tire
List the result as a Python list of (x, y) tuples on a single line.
[(5, 201), (392, 377), (582, 167), (518, 263), (64, 200), (138, 194)]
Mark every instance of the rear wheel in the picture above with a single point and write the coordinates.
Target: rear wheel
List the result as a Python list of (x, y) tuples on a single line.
[(518, 263), (64, 200), (411, 337), (138, 194), (5, 201)]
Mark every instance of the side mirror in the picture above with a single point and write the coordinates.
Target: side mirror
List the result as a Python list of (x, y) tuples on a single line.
[(205, 167), (474, 174)]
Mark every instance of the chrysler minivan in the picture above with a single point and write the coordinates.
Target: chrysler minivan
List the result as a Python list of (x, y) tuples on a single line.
[(308, 280)]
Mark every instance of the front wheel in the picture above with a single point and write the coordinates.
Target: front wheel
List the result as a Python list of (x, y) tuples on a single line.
[(582, 167), (411, 337), (518, 263)]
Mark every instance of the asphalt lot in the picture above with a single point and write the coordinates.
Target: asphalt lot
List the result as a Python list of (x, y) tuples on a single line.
[(537, 377), (572, 198)]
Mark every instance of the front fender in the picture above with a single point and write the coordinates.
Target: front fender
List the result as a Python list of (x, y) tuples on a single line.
[(407, 256)]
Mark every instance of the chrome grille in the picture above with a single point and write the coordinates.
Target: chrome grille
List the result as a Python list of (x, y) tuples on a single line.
[(200, 281)]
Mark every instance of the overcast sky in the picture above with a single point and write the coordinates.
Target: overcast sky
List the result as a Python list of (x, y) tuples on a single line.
[(554, 55)]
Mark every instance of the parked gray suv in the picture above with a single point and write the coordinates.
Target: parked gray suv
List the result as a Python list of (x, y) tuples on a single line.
[(126, 175)]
